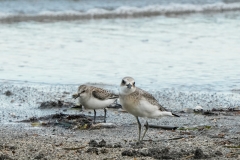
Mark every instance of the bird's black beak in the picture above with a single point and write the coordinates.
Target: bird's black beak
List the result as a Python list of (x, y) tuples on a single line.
[(129, 86), (76, 95)]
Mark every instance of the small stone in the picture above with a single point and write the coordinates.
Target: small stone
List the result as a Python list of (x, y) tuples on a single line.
[(13, 115), (198, 154), (218, 153), (93, 143), (127, 153), (144, 152), (117, 145), (92, 150), (66, 92), (104, 151), (8, 93), (102, 143), (198, 108), (109, 146)]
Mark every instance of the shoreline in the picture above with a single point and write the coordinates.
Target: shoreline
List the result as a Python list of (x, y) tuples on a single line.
[(21, 141), (198, 136)]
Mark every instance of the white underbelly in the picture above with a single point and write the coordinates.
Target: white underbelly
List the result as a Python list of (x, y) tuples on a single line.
[(94, 103), (142, 109)]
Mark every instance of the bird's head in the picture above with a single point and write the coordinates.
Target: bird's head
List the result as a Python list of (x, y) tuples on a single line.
[(127, 85), (83, 91)]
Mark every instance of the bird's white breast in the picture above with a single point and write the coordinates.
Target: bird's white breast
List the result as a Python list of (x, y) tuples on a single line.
[(142, 108), (94, 103)]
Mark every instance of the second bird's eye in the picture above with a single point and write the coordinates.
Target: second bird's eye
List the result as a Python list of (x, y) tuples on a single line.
[(123, 82), (83, 91)]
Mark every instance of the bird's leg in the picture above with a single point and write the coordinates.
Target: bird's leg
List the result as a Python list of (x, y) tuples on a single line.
[(94, 121), (139, 129), (105, 113), (146, 128), (81, 108)]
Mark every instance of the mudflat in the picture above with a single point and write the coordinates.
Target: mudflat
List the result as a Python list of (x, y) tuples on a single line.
[(30, 132)]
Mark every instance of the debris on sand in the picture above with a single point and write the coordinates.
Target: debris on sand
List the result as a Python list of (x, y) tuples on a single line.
[(63, 120), (114, 106), (68, 121), (198, 154), (162, 127), (3, 156), (164, 153), (8, 93), (74, 148), (78, 106), (156, 153), (198, 108), (213, 112), (56, 104), (103, 125), (92, 150), (103, 143)]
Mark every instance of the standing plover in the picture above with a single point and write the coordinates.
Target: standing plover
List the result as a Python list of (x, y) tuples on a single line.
[(140, 103), (95, 98)]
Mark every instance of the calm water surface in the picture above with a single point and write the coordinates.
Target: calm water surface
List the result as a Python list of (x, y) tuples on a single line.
[(194, 52)]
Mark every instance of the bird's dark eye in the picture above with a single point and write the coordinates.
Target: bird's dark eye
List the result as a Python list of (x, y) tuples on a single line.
[(83, 91), (123, 82), (134, 83)]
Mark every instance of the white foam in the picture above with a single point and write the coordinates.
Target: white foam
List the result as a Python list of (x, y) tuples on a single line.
[(97, 11), (123, 11)]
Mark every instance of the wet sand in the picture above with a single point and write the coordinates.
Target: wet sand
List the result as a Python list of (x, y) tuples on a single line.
[(198, 136)]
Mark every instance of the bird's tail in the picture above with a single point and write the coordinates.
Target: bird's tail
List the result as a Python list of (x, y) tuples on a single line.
[(175, 115)]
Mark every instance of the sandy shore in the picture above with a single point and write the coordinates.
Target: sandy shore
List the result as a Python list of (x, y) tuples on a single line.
[(18, 141), (198, 136)]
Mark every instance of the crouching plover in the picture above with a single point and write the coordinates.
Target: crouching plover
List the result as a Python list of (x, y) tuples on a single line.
[(140, 103), (95, 98)]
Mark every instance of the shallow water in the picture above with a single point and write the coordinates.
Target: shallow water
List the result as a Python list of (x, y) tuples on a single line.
[(196, 52), (192, 52)]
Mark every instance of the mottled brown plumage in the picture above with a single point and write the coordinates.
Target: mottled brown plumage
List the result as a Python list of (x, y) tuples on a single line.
[(138, 94), (95, 98), (96, 92), (151, 99), (103, 94)]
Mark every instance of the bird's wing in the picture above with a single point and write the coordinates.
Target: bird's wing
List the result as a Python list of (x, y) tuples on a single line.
[(103, 94), (151, 99)]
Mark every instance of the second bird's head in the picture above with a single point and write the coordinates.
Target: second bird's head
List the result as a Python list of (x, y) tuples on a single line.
[(127, 85), (83, 91)]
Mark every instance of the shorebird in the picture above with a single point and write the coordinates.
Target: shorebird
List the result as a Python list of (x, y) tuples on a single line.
[(95, 98), (140, 103)]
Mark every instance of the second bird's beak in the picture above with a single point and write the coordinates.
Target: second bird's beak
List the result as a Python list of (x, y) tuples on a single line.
[(129, 86), (76, 95)]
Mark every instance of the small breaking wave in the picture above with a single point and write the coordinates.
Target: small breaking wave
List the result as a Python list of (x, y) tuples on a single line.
[(121, 12)]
